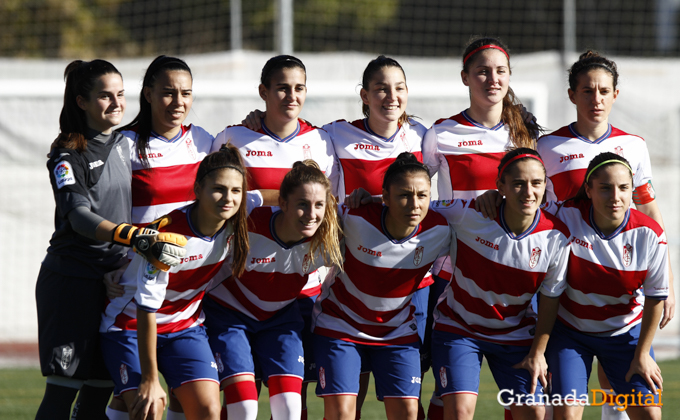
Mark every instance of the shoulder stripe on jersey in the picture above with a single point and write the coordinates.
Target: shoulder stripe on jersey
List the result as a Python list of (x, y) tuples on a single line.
[(478, 125), (572, 128)]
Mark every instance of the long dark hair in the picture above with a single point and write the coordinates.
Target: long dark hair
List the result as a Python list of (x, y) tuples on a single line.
[(372, 68), (406, 164), (141, 124), (591, 60), (228, 157), (522, 134), (80, 77)]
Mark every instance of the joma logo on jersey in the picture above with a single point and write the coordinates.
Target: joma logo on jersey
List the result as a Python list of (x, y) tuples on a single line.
[(470, 143), (263, 260), (359, 146), (369, 251), (96, 164), (577, 241), (259, 153), (191, 258), (151, 155), (487, 243), (567, 158)]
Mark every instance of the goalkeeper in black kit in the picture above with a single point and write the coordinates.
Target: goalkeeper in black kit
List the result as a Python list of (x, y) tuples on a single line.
[(90, 174)]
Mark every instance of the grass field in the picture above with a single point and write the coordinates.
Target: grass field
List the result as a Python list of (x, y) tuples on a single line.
[(21, 391)]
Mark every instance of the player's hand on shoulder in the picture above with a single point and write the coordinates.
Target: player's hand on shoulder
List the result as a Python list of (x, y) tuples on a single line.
[(358, 198), (253, 120), (488, 202)]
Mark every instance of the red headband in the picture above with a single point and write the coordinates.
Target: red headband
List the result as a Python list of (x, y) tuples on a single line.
[(484, 47), (526, 155)]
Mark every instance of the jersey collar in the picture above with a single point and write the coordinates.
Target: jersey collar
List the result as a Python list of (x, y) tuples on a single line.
[(476, 124), (384, 229), (605, 136), (530, 229), (272, 230), (613, 234), (389, 139), (195, 231), (172, 140), (279, 139)]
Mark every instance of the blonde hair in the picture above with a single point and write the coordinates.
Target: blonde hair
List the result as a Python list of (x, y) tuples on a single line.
[(327, 236)]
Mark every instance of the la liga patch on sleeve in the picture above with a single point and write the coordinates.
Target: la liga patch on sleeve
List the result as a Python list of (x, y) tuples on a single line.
[(63, 174)]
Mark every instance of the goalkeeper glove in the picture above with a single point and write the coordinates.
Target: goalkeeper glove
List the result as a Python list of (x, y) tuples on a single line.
[(162, 249)]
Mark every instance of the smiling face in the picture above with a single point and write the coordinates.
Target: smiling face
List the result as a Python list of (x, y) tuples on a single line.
[(219, 197), (594, 97), (105, 106), (303, 212), (285, 95), (610, 190), (488, 78), (386, 96), (523, 185), (171, 98), (407, 202)]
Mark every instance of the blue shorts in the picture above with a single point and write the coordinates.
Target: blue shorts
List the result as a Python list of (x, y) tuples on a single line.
[(236, 339), (570, 360), (183, 357), (306, 306), (396, 368), (457, 362)]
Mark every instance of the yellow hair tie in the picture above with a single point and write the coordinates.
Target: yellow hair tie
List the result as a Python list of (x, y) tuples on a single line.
[(606, 162)]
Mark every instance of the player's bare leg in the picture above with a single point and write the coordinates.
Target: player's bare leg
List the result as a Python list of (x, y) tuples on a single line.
[(200, 400), (401, 408), (459, 406), (339, 407)]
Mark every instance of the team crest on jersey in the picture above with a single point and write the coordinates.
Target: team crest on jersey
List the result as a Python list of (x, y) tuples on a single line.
[(443, 380), (535, 255), (619, 150), (418, 257), (63, 174), (322, 377), (150, 273), (124, 377), (627, 254), (403, 139), (191, 149), (66, 357), (307, 151), (306, 262), (218, 360), (443, 203)]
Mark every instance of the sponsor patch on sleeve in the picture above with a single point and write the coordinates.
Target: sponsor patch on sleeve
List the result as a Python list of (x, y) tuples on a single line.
[(150, 273), (63, 174)]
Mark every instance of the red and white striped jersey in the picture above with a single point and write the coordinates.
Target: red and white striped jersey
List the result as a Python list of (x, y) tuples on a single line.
[(466, 155), (370, 301), (275, 273), (365, 156), (269, 157), (175, 295), (566, 155), (609, 275), (496, 273), (168, 182)]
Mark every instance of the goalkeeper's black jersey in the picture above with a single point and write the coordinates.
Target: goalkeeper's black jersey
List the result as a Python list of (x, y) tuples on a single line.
[(100, 179)]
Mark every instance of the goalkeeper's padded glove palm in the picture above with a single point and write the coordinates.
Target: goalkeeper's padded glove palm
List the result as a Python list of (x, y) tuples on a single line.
[(162, 249)]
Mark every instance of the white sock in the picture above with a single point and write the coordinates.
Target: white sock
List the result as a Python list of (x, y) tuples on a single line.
[(610, 412), (286, 406), (174, 415), (246, 410), (116, 415)]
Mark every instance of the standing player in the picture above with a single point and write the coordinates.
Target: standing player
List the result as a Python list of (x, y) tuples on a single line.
[(270, 145), (157, 323), (90, 175), (465, 149), (626, 251), (365, 313), (593, 81), (253, 318), (485, 309)]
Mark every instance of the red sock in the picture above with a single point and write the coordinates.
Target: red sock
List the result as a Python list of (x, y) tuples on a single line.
[(223, 413), (508, 414), (303, 416)]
